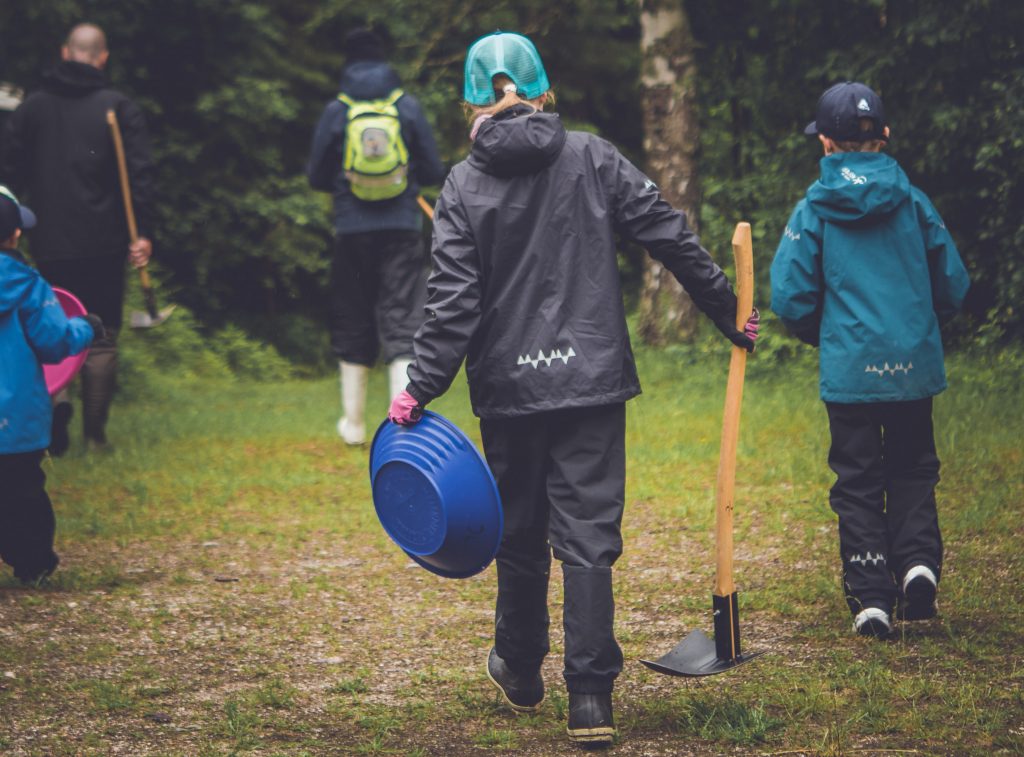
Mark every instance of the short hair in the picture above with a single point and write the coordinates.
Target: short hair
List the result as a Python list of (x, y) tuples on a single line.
[(86, 43), (865, 126)]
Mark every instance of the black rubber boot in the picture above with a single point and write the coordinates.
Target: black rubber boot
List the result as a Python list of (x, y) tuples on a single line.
[(523, 693), (99, 380), (590, 719), (60, 439)]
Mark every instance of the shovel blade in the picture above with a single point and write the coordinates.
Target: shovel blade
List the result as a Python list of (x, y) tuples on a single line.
[(141, 320), (696, 656)]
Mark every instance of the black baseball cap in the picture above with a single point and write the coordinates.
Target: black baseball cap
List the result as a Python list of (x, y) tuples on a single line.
[(840, 109), (13, 215)]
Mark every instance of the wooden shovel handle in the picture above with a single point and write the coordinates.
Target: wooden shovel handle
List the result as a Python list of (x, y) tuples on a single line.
[(425, 207), (743, 251)]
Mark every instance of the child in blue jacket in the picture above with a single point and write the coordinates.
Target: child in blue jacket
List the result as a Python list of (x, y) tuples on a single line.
[(33, 330), (867, 270)]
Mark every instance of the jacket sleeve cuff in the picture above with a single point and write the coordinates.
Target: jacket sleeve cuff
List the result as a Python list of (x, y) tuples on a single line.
[(421, 397)]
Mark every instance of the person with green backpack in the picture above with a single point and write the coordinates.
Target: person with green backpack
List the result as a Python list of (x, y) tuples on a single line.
[(373, 149)]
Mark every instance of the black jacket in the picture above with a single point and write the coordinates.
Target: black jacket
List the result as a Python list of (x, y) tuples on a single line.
[(526, 283), (372, 80), (59, 155)]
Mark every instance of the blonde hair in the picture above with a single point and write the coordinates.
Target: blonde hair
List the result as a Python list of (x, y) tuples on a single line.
[(871, 145), (506, 97)]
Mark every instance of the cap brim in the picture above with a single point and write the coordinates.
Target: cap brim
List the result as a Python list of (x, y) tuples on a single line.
[(28, 218), (811, 129)]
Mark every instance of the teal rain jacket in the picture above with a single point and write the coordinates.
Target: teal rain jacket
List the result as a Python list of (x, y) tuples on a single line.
[(867, 267), (33, 330)]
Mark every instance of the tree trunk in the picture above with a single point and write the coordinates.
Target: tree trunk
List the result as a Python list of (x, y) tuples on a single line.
[(669, 79)]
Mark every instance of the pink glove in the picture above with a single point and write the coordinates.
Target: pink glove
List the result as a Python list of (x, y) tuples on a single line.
[(752, 325), (405, 410)]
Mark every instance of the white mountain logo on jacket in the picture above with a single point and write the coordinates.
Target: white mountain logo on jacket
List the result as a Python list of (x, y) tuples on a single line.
[(555, 354), (891, 371), (853, 178)]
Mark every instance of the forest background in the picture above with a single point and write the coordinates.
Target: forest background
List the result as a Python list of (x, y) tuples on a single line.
[(232, 91)]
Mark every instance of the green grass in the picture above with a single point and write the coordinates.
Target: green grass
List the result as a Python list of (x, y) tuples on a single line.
[(223, 567)]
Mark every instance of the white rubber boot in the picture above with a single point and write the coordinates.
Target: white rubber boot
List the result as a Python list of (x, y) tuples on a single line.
[(352, 426), (398, 375)]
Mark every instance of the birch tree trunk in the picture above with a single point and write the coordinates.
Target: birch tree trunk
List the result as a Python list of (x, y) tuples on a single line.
[(671, 134)]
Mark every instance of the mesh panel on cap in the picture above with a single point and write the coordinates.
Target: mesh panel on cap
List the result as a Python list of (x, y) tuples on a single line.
[(503, 53)]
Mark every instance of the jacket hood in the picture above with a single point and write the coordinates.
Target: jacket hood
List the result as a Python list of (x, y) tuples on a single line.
[(74, 79), (858, 185), (14, 275), (517, 142), (368, 80)]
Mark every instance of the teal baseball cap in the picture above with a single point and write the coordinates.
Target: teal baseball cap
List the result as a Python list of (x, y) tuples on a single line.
[(503, 53)]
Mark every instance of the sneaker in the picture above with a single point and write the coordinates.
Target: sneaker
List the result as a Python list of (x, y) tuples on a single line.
[(873, 621), (523, 693), (919, 586), (590, 719), (60, 439)]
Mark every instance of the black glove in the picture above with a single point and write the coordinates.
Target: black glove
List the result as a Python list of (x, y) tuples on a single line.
[(727, 326), (98, 332)]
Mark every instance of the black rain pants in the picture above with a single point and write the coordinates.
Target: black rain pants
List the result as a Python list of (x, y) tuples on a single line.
[(883, 455), (27, 523), (378, 290), (561, 475)]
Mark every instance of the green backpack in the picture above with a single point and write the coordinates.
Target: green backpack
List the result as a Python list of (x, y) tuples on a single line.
[(376, 158)]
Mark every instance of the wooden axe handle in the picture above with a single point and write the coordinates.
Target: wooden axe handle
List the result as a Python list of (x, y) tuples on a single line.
[(122, 171), (425, 206), (743, 251), (129, 211)]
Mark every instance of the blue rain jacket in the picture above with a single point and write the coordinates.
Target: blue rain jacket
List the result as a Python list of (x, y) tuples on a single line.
[(867, 267), (33, 330)]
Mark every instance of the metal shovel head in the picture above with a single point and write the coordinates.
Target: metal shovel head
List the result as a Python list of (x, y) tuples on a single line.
[(141, 320), (696, 656)]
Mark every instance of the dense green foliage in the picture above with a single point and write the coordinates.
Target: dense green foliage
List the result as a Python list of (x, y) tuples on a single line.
[(952, 77), (234, 89)]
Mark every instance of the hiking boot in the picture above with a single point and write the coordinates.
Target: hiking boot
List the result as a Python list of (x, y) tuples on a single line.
[(590, 719), (874, 622), (523, 693), (919, 586), (60, 439)]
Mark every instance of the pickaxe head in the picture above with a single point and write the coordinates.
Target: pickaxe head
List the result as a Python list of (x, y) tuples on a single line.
[(141, 320)]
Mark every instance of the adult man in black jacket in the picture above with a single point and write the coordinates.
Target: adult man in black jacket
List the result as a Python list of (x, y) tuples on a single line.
[(58, 151)]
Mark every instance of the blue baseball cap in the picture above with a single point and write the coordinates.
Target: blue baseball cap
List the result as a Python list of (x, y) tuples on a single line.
[(503, 53), (13, 215), (840, 109)]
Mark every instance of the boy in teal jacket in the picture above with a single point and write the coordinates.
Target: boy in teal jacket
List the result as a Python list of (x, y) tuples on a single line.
[(867, 270)]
